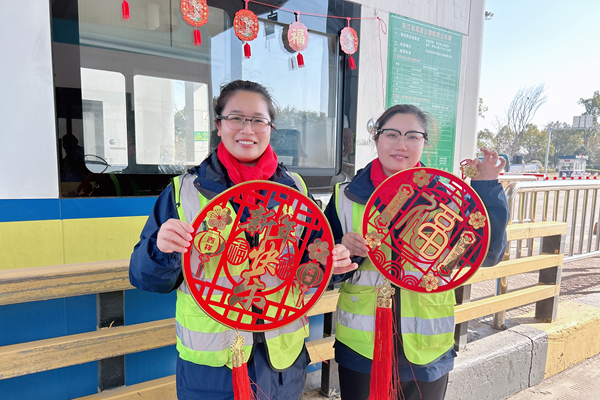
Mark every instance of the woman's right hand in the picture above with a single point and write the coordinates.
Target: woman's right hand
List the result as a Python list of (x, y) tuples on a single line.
[(174, 236), (355, 244)]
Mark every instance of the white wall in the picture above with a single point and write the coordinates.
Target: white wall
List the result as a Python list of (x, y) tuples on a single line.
[(464, 16), (27, 127)]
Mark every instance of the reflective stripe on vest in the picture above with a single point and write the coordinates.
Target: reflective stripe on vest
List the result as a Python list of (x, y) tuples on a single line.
[(427, 320), (202, 340)]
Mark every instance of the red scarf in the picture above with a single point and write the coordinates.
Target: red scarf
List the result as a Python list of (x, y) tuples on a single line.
[(377, 174), (238, 173)]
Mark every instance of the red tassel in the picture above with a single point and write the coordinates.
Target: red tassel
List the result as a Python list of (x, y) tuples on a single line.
[(300, 60), (247, 50), (241, 380), (197, 37), (241, 383), (382, 385), (125, 9), (352, 63)]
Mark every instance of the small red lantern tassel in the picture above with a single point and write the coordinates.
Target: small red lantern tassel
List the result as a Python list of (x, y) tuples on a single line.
[(125, 9), (383, 387), (247, 50), (197, 37), (352, 63), (300, 60), (241, 381)]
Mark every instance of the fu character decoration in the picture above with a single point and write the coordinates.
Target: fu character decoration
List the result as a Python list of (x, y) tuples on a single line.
[(298, 39), (349, 43), (245, 25), (195, 13), (258, 249), (428, 232)]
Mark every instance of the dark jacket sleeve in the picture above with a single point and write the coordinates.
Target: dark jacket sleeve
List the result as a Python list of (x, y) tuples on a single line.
[(494, 199), (150, 269)]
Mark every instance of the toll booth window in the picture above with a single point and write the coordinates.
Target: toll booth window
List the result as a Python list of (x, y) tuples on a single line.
[(135, 98)]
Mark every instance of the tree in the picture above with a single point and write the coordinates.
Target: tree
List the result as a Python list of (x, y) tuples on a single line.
[(486, 138), (482, 109), (592, 106), (521, 111), (534, 143), (566, 141)]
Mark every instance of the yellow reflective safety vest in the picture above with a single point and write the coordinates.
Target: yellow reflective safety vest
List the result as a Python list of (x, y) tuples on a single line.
[(426, 319), (201, 339)]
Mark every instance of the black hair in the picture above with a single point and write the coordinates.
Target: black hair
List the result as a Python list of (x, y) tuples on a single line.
[(244, 86), (426, 120)]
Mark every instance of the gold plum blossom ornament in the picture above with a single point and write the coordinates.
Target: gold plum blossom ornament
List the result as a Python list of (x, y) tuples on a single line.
[(467, 170), (477, 220), (318, 251), (219, 217), (237, 348), (421, 178), (429, 282), (373, 239), (385, 291)]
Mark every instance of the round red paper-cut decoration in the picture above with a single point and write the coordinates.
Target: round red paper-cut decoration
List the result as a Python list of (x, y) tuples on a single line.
[(349, 40), (275, 246), (195, 12), (428, 231), (297, 36), (245, 25)]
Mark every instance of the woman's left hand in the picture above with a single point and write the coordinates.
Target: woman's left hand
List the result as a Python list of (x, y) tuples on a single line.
[(487, 170), (341, 260)]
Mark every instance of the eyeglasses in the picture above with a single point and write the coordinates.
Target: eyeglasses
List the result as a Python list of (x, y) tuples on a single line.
[(235, 121), (392, 136)]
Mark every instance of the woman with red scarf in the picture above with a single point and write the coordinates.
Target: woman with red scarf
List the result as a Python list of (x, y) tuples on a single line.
[(400, 134), (245, 118)]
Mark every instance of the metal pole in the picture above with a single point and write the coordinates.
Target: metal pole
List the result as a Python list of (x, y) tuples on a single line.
[(547, 150)]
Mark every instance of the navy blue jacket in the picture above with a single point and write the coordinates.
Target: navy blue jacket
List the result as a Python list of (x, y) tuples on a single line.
[(154, 271), (359, 191)]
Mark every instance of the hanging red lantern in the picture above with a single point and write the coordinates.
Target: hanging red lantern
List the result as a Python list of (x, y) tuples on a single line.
[(349, 43), (195, 13), (245, 25), (298, 39)]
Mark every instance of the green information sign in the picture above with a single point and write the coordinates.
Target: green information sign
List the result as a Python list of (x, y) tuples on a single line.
[(423, 69)]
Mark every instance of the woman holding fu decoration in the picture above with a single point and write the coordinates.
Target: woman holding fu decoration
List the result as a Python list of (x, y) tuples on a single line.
[(276, 359), (422, 318)]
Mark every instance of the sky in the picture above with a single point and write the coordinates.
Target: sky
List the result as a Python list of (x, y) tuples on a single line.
[(553, 42)]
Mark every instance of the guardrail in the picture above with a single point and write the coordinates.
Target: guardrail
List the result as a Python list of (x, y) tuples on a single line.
[(38, 284), (549, 200)]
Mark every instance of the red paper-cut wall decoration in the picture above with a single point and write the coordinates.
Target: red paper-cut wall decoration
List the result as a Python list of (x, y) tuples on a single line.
[(427, 230), (258, 248)]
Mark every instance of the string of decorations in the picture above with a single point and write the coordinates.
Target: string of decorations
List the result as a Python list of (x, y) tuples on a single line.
[(245, 25)]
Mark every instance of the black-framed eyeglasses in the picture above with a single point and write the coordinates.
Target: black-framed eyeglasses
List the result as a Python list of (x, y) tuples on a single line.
[(392, 136), (236, 121)]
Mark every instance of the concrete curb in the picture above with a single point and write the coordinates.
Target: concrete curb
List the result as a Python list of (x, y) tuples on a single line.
[(496, 365), (502, 364)]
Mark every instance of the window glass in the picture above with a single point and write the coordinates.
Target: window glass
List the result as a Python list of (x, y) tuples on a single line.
[(135, 98), (104, 120), (172, 120), (306, 123)]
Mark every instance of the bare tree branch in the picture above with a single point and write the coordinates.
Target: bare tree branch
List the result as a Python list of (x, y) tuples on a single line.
[(521, 111)]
